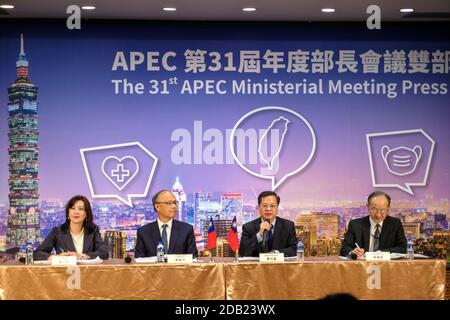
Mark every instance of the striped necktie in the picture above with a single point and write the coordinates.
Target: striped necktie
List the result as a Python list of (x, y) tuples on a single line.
[(376, 237), (164, 238)]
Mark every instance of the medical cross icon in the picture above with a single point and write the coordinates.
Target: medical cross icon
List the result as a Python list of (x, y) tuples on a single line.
[(120, 173)]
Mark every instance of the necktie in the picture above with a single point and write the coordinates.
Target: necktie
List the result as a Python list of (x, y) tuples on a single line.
[(376, 237), (270, 238), (164, 238)]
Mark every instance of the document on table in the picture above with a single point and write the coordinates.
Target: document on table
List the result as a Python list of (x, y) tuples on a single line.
[(293, 258), (43, 262), (97, 260), (395, 255), (153, 259), (248, 259)]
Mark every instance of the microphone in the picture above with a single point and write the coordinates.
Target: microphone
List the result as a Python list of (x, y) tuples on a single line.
[(127, 259), (265, 237)]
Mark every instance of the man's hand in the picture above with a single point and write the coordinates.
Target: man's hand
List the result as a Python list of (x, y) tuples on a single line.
[(68, 253), (359, 251), (264, 226)]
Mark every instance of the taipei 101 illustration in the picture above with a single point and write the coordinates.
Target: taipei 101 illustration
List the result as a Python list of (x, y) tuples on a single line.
[(23, 216)]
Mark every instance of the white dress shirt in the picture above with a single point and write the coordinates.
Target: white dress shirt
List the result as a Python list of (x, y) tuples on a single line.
[(78, 241)]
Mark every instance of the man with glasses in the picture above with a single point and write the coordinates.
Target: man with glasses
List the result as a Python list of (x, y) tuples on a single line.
[(176, 236), (268, 233), (377, 231)]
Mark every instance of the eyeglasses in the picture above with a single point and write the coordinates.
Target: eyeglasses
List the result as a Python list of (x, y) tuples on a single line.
[(271, 207), (169, 203), (380, 211)]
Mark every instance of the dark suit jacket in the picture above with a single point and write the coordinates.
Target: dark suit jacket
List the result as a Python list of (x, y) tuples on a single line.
[(284, 238), (93, 244), (182, 239), (392, 237)]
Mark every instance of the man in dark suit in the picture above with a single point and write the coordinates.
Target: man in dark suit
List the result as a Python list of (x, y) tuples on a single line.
[(268, 233), (177, 237), (378, 231)]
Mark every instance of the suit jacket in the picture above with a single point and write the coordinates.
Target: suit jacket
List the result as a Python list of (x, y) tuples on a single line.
[(182, 239), (93, 244), (392, 236), (284, 238)]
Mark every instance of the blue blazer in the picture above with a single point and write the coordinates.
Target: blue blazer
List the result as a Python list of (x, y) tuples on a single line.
[(182, 239), (93, 244), (392, 236), (284, 238)]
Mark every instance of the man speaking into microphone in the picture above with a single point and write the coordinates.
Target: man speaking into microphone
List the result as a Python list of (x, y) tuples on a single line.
[(268, 233)]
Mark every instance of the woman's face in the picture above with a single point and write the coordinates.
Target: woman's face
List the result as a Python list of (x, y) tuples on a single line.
[(77, 213)]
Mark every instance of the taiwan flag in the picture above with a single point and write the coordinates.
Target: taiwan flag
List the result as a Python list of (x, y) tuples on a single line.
[(233, 240), (212, 235)]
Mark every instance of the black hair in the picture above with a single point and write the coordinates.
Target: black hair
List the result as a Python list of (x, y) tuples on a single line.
[(267, 194), (88, 223)]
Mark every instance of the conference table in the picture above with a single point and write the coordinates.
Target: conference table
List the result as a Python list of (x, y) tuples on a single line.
[(226, 279)]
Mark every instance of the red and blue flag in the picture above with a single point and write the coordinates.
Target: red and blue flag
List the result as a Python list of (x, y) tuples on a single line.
[(212, 235)]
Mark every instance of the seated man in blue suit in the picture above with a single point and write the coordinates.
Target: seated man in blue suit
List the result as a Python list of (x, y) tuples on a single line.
[(268, 233), (377, 231), (177, 237)]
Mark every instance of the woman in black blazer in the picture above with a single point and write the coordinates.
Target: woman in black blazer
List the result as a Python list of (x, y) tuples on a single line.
[(77, 236)]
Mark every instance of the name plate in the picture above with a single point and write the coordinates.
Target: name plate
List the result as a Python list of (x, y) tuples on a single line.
[(64, 261), (179, 258), (271, 257), (378, 256)]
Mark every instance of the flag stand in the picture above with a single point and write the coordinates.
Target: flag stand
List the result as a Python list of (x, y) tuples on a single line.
[(236, 256)]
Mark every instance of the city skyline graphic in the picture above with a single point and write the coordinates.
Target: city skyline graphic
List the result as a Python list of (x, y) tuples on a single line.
[(23, 214), (45, 169)]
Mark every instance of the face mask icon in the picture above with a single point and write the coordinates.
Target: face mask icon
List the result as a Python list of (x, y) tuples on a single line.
[(401, 161)]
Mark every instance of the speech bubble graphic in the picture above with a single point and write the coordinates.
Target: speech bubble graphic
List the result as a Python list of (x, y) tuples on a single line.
[(400, 159), (122, 171), (282, 117)]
